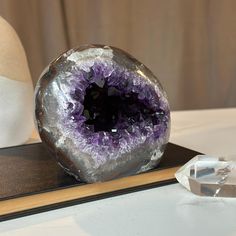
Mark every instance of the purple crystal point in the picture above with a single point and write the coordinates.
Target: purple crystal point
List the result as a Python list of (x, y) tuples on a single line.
[(102, 113)]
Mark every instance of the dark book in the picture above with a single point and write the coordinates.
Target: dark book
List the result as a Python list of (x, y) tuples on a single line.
[(31, 181)]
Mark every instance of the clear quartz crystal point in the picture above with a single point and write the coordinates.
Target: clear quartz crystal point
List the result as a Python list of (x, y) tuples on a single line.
[(209, 176)]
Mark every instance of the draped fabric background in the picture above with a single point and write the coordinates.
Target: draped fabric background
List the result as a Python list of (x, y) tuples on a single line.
[(189, 45)]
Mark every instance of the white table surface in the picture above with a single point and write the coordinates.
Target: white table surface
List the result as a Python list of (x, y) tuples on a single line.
[(169, 210)]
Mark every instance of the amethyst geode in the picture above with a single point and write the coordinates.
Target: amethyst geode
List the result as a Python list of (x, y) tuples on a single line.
[(102, 113)]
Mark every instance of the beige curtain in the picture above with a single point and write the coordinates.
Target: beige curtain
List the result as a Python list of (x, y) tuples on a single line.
[(189, 45)]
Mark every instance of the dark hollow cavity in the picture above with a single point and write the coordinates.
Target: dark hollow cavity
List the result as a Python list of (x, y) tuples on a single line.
[(109, 109)]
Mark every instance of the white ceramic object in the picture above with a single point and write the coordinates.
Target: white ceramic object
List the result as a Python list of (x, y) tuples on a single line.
[(16, 90), (16, 119)]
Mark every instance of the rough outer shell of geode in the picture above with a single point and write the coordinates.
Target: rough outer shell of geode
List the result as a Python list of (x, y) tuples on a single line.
[(103, 114)]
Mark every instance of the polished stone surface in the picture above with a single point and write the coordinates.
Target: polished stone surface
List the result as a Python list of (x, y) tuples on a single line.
[(142, 213), (102, 113)]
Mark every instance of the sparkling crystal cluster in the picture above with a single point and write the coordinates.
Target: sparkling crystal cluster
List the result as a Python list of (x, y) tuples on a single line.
[(209, 176), (103, 113)]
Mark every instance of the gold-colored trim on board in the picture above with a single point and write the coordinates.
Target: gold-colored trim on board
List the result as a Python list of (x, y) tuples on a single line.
[(44, 199)]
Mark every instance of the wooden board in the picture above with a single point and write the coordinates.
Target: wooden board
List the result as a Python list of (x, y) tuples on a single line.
[(32, 182)]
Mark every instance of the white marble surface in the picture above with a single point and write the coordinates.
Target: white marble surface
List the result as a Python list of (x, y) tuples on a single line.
[(169, 210), (208, 131)]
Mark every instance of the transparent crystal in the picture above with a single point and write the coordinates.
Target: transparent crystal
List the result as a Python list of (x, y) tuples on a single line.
[(209, 176)]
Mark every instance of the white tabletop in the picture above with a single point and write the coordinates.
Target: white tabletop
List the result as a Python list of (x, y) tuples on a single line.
[(168, 210)]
